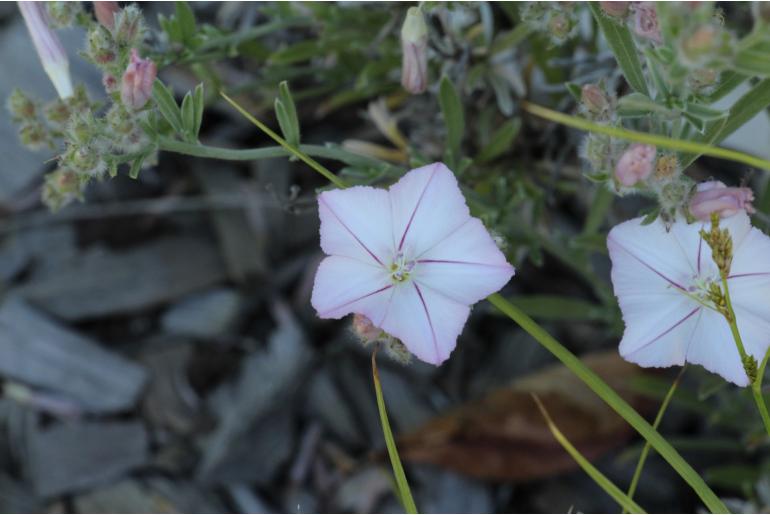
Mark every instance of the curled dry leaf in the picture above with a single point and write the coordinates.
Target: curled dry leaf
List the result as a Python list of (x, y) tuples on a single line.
[(503, 436)]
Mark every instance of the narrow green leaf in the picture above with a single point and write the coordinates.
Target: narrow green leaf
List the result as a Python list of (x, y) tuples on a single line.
[(398, 470), (622, 45), (608, 395), (501, 141), (600, 479), (186, 20), (753, 61), (575, 90), (728, 81), (638, 104), (136, 166), (188, 114), (292, 131), (284, 122), (167, 105), (454, 118), (745, 108), (199, 105)]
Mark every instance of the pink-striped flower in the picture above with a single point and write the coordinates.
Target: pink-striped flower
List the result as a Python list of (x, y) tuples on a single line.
[(411, 259), (414, 48), (715, 197), (661, 278), (48, 46)]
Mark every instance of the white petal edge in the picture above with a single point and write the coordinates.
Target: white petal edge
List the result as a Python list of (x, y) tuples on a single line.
[(427, 205), (425, 321)]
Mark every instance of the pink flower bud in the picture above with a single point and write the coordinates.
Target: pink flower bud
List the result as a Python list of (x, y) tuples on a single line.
[(715, 197), (49, 48), (105, 13), (636, 164), (646, 22), (136, 88), (615, 9), (414, 45), (365, 329), (594, 99)]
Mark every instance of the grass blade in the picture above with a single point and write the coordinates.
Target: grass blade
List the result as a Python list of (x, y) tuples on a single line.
[(404, 493), (605, 484)]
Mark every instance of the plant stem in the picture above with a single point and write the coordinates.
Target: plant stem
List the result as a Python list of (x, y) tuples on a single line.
[(608, 395), (404, 493), (604, 483), (756, 382), (655, 424), (643, 137)]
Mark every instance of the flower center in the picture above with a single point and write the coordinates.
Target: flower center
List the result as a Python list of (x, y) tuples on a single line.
[(401, 268)]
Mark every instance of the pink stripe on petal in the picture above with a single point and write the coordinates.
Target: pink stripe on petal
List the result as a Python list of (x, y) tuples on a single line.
[(411, 218), (343, 224), (641, 261), (664, 333)]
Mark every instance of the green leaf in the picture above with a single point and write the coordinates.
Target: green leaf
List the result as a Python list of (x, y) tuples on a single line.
[(745, 108), (454, 118), (622, 45), (611, 397), (136, 166), (198, 105), (501, 141), (188, 116), (753, 61), (728, 82), (575, 90), (286, 112), (637, 104), (186, 21), (167, 105), (605, 484)]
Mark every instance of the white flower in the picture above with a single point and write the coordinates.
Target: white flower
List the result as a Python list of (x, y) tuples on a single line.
[(49, 48), (661, 278), (411, 259)]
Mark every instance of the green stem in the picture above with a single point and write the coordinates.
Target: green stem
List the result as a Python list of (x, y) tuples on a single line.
[(404, 493), (643, 137), (756, 382), (312, 163), (608, 395), (655, 424)]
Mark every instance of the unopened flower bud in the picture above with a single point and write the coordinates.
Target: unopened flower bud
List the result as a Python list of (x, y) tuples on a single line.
[(57, 112), (64, 14), (715, 197), (34, 135), (365, 329), (666, 167), (646, 22), (397, 351), (615, 9), (100, 46), (594, 99), (110, 83), (21, 107), (136, 86), (700, 43), (559, 26), (105, 13), (128, 28), (49, 48), (702, 78), (414, 46), (61, 187), (636, 164)]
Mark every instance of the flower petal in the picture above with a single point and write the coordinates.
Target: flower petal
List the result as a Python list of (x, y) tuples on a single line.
[(345, 285), (427, 322), (356, 223), (713, 347), (655, 249), (427, 206), (466, 266), (746, 250)]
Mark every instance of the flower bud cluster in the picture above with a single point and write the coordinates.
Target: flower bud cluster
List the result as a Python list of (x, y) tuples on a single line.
[(95, 139), (721, 244)]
